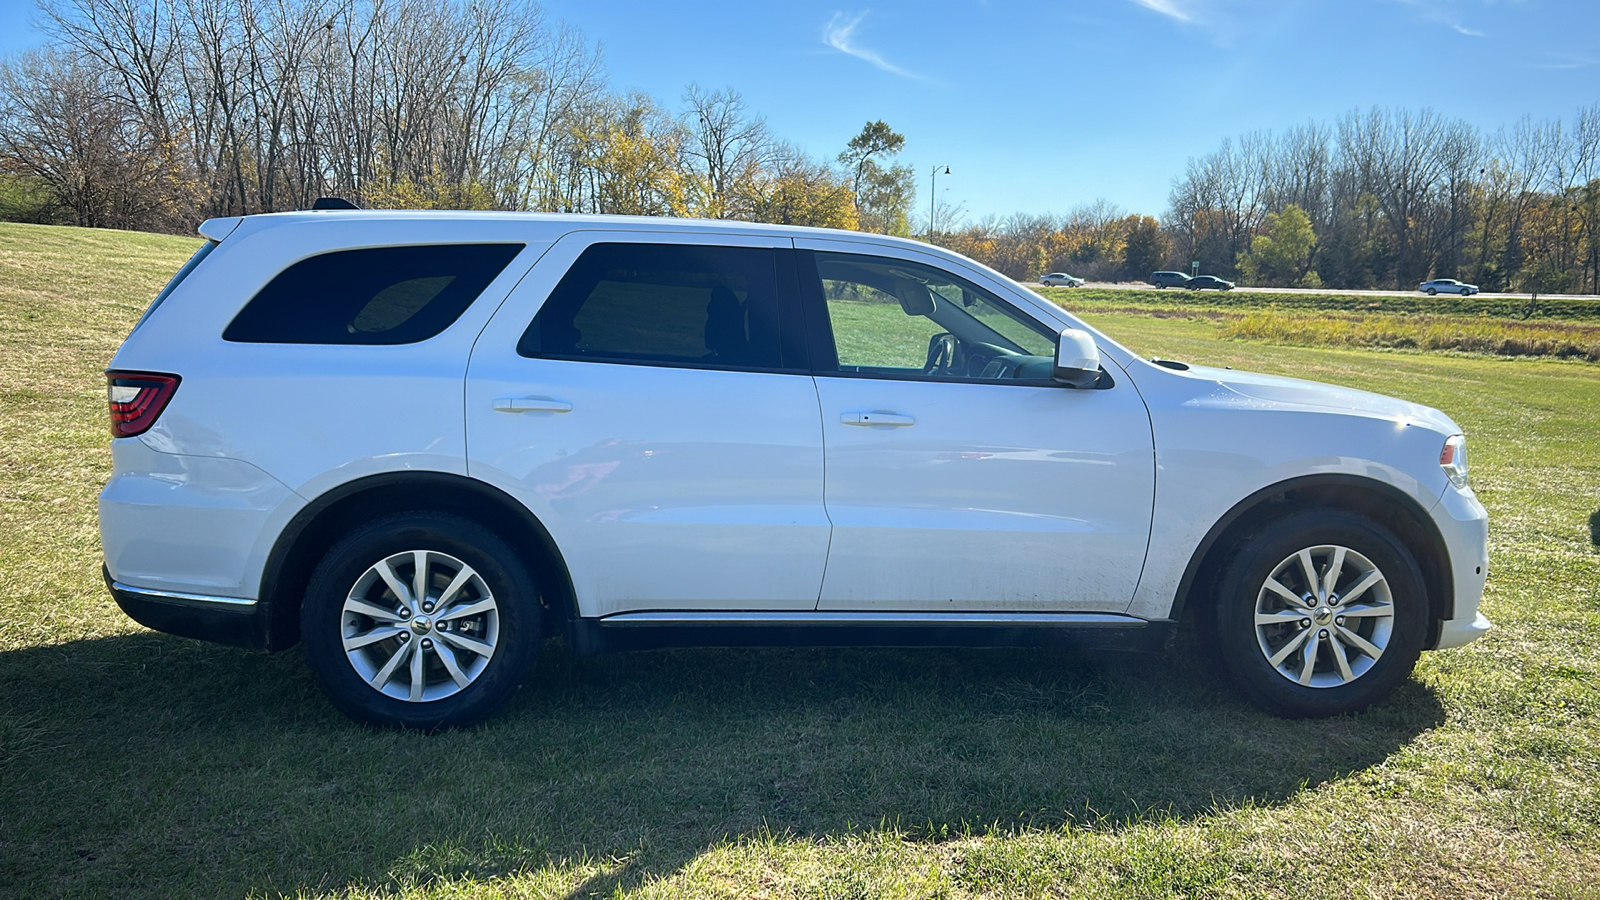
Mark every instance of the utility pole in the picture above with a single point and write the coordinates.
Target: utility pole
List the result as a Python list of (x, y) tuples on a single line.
[(933, 181)]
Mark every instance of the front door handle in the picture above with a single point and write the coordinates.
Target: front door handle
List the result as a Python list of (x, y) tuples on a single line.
[(876, 418), (531, 404)]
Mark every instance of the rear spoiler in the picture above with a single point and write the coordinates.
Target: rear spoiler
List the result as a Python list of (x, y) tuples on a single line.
[(217, 229)]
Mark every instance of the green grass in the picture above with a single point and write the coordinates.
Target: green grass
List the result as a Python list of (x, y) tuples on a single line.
[(137, 764)]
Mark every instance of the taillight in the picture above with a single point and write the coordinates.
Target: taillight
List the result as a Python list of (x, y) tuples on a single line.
[(136, 399)]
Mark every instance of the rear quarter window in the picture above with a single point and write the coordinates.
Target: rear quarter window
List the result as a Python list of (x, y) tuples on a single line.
[(380, 295)]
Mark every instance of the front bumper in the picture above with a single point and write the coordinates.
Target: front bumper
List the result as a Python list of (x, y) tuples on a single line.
[(223, 620), (1455, 632), (1465, 528)]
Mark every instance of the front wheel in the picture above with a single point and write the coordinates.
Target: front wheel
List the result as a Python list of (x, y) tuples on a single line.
[(1433, 292), (1321, 613), (420, 620)]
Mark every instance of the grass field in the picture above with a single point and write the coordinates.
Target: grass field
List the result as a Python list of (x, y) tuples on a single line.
[(136, 764)]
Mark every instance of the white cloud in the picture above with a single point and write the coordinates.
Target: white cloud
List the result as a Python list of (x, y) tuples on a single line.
[(1569, 62), (1448, 12), (839, 34), (1173, 9)]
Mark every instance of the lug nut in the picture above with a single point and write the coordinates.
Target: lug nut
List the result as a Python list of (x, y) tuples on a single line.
[(427, 607), (405, 613), (427, 644), (405, 636), (1323, 633), (1305, 623), (1340, 620)]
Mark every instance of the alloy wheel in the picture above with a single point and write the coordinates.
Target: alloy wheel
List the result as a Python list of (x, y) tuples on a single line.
[(419, 625), (1324, 616)]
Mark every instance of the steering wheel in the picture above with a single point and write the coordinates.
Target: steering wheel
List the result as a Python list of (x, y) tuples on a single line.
[(941, 354)]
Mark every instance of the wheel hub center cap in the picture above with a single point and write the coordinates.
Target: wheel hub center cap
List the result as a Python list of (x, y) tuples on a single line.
[(1323, 615), (421, 625)]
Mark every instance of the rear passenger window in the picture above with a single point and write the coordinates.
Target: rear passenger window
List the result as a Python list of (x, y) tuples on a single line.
[(670, 304), (383, 295)]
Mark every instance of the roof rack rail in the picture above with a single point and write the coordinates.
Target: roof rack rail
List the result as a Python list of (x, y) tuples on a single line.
[(333, 203)]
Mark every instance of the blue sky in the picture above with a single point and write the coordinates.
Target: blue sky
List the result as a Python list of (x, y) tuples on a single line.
[(1041, 106)]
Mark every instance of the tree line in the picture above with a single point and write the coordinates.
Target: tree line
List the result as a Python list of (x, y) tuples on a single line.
[(1379, 199), (1389, 198), (155, 114)]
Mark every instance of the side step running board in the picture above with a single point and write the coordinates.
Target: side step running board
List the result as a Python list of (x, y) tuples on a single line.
[(806, 628), (821, 618)]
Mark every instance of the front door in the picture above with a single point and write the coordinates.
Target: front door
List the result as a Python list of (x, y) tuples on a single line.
[(959, 477)]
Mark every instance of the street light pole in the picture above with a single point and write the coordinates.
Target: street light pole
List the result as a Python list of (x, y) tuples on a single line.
[(933, 181)]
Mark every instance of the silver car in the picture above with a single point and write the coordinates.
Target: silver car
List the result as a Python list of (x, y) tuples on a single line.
[(1060, 279), (1447, 286)]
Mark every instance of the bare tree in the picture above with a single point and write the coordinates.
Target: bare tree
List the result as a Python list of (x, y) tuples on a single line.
[(62, 121), (728, 146)]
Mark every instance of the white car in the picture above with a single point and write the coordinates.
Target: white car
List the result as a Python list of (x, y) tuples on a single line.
[(1060, 279), (421, 442), (1447, 286)]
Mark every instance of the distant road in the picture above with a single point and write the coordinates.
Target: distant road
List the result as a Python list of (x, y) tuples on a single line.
[(1141, 286)]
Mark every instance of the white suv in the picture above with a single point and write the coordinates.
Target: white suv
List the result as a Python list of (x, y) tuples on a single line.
[(422, 442)]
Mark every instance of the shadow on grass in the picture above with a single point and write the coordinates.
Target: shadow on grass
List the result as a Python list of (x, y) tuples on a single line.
[(150, 764), (1594, 528)]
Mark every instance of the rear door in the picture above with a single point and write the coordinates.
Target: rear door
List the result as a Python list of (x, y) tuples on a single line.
[(648, 398)]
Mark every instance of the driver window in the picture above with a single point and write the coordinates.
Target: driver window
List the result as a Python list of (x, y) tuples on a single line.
[(900, 319)]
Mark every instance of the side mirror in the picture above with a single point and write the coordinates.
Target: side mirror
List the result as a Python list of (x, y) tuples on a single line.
[(1077, 359)]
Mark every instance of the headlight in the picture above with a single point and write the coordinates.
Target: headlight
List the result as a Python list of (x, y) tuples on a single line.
[(1453, 460)]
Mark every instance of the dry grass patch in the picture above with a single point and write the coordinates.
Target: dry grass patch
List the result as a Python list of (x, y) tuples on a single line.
[(1496, 337)]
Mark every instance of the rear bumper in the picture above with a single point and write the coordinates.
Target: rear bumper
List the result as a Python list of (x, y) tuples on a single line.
[(189, 524), (223, 620)]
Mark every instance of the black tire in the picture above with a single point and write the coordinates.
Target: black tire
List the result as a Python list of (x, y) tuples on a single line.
[(501, 581), (1433, 292), (1244, 647)]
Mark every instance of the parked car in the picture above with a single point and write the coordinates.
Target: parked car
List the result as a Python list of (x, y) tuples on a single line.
[(1168, 279), (1208, 283), (419, 443), (1447, 286), (1060, 279)]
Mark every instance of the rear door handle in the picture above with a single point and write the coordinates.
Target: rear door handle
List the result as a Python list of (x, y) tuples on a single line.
[(876, 418), (531, 404)]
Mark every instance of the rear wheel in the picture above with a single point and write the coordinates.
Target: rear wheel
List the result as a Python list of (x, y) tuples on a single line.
[(421, 620), (1320, 613)]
